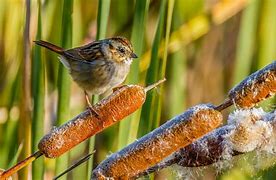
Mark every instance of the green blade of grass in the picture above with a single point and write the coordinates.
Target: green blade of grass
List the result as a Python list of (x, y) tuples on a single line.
[(177, 73), (53, 18), (79, 27), (150, 107), (102, 20), (137, 37), (15, 157), (156, 121), (64, 80), (167, 38), (129, 127), (38, 89)]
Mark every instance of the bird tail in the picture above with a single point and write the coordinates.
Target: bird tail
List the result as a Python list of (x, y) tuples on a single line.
[(50, 46)]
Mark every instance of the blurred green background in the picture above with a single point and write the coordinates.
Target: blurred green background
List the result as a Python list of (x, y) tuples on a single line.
[(202, 47)]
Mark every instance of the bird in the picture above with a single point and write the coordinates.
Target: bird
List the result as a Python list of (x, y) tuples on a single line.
[(98, 66)]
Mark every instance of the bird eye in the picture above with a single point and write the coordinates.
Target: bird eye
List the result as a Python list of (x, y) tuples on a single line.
[(121, 49)]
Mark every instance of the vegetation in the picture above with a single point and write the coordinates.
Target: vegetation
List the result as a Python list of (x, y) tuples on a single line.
[(203, 48)]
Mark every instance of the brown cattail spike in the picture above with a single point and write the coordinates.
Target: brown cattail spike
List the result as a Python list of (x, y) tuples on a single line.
[(255, 88), (225, 142), (120, 104), (124, 101), (160, 143)]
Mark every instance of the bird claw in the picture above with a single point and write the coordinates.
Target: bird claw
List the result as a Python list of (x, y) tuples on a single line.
[(90, 107), (93, 112)]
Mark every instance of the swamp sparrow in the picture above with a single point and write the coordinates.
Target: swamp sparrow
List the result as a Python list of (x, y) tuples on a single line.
[(98, 66)]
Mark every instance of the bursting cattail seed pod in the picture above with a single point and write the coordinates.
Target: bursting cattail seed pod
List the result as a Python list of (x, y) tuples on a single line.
[(255, 88), (124, 101), (247, 130), (160, 143)]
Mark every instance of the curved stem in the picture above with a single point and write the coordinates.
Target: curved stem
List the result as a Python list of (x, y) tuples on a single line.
[(224, 105), (7, 173)]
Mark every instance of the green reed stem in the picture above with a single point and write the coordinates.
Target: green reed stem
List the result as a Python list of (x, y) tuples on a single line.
[(38, 89), (102, 20), (129, 127), (64, 80), (150, 107), (266, 33), (156, 121), (266, 43), (25, 113), (246, 41), (267, 52)]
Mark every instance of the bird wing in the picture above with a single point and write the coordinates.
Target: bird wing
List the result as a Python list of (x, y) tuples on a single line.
[(87, 53), (84, 66)]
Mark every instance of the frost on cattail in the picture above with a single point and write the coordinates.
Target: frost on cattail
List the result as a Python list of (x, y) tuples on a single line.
[(270, 146), (124, 101), (112, 109), (247, 130), (255, 88), (160, 143)]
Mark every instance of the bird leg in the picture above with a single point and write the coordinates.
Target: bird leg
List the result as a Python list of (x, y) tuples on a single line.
[(90, 107), (118, 87)]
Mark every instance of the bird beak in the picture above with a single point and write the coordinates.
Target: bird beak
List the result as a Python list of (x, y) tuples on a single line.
[(133, 55)]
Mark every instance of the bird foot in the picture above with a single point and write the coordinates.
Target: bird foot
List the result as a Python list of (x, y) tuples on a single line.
[(90, 107), (93, 112)]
